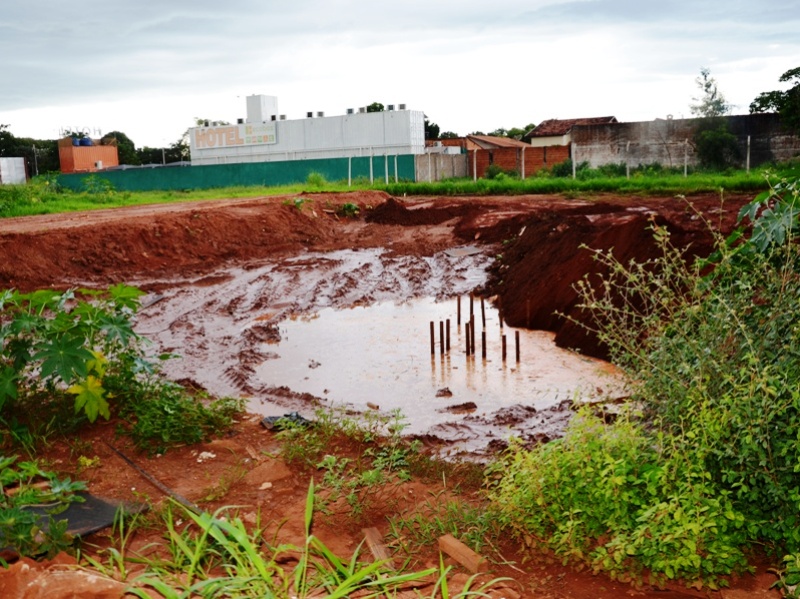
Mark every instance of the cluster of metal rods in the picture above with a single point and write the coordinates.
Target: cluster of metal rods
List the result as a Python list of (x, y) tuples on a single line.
[(469, 332)]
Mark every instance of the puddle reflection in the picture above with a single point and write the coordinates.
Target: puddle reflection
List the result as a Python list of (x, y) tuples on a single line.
[(380, 355)]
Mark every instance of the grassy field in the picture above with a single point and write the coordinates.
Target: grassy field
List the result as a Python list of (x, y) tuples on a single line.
[(43, 195)]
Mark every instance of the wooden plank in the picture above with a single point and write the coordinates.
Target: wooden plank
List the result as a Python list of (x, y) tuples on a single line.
[(462, 554), (375, 543)]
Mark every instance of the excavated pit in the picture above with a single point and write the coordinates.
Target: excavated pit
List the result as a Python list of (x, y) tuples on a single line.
[(293, 307), (350, 329)]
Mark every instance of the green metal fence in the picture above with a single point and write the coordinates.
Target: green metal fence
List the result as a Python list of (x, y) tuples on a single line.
[(400, 167)]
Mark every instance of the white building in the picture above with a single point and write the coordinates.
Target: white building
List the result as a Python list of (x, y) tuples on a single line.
[(267, 136)]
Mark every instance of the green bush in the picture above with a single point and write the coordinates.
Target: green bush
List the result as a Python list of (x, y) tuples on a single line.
[(79, 346), (316, 180), (15, 199), (710, 466), (96, 185), (618, 169), (562, 169), (717, 357), (55, 343), (162, 415), (716, 146), (496, 172), (613, 498)]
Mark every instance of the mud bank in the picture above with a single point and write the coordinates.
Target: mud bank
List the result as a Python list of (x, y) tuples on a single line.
[(539, 238), (228, 272)]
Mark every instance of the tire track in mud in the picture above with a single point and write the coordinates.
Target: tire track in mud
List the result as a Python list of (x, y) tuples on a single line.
[(226, 325)]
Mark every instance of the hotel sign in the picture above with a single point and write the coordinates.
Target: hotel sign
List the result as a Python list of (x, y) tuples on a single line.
[(249, 134)]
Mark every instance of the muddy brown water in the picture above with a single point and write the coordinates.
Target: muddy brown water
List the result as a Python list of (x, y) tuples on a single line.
[(350, 329)]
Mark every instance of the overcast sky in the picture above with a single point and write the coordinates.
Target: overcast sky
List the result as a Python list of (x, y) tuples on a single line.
[(149, 67)]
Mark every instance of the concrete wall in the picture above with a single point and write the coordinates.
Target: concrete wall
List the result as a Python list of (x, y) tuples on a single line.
[(435, 167), (12, 171), (669, 142)]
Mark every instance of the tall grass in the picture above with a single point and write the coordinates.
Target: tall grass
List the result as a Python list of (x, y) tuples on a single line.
[(661, 184), (217, 556)]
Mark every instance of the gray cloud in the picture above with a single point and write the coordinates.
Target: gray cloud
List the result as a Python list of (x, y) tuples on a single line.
[(709, 13), (60, 54)]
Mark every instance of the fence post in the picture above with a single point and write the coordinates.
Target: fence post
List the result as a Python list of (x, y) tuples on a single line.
[(748, 154)]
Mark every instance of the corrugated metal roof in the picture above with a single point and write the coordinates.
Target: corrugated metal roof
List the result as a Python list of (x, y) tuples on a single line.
[(555, 127)]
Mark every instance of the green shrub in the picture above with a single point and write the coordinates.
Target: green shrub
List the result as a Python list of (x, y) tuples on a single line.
[(618, 169), (163, 415), (23, 530), (711, 465), (496, 172), (58, 343), (16, 199), (96, 185), (79, 346), (610, 497), (716, 357), (716, 146), (562, 169), (316, 180)]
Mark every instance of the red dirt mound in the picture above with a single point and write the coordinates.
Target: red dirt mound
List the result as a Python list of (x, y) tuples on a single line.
[(535, 279)]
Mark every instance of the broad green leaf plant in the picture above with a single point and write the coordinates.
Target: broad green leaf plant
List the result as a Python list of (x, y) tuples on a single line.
[(57, 342)]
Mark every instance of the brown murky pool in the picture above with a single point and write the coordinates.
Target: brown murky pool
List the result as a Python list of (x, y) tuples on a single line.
[(352, 329)]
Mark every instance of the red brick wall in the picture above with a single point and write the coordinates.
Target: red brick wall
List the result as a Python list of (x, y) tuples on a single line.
[(510, 159), (547, 157)]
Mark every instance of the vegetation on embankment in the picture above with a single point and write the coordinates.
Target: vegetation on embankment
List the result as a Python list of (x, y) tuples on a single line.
[(44, 195), (701, 466)]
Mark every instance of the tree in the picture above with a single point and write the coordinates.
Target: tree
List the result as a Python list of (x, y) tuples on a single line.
[(785, 103), (517, 133), (712, 103), (513, 133), (431, 130), (41, 156), (179, 151), (375, 107), (7, 141), (448, 135), (126, 149), (716, 146)]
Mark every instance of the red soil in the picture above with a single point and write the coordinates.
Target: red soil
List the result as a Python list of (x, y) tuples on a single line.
[(542, 259)]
